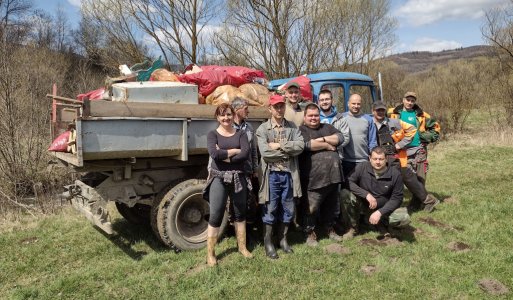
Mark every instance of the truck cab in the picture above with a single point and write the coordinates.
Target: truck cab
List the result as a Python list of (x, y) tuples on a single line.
[(342, 85)]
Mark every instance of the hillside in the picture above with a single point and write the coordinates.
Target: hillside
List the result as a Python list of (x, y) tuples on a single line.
[(419, 61)]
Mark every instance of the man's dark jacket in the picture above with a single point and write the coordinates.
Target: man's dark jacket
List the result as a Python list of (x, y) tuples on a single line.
[(388, 189)]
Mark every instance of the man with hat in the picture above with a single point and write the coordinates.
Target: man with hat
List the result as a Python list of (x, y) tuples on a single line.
[(394, 136), (428, 131), (293, 95), (279, 142)]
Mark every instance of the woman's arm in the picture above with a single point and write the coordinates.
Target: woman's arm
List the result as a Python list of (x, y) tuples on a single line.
[(213, 149)]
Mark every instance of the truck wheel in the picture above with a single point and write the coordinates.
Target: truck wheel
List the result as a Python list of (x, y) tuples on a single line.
[(138, 214), (160, 205), (186, 217)]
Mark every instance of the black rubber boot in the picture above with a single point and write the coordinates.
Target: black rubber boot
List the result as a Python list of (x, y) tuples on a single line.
[(284, 245), (268, 242)]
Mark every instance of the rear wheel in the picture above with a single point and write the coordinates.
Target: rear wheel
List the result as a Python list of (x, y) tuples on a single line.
[(184, 216), (138, 214)]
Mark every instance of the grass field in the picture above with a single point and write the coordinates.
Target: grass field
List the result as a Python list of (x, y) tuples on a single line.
[(63, 256)]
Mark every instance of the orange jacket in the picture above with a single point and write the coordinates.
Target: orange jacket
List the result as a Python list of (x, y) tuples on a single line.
[(428, 128)]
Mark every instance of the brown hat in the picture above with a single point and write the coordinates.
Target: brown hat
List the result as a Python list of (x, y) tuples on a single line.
[(378, 105), (410, 94), (275, 99), (292, 84)]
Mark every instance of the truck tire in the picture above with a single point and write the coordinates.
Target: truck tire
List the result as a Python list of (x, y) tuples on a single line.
[(185, 219), (139, 214), (160, 205)]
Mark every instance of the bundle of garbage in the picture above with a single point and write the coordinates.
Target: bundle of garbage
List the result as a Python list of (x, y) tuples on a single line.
[(150, 82)]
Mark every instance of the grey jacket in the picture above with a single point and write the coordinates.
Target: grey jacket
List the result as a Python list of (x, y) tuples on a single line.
[(340, 123), (289, 149)]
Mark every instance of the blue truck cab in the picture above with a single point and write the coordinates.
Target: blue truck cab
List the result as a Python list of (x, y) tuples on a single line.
[(342, 85)]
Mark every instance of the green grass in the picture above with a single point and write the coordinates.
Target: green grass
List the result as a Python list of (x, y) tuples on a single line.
[(65, 257)]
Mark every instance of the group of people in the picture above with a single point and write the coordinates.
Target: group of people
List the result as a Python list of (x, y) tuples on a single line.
[(335, 169)]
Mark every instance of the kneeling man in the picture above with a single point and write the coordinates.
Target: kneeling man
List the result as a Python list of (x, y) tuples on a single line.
[(379, 189)]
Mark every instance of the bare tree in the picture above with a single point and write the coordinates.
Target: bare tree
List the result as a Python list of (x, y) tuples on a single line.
[(259, 33), (289, 37), (12, 19), (108, 26), (498, 31)]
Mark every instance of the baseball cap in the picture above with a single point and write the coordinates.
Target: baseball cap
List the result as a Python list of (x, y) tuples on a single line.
[(275, 99), (410, 94), (292, 84), (378, 105)]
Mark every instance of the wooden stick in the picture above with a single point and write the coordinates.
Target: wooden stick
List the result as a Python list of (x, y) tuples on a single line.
[(64, 99)]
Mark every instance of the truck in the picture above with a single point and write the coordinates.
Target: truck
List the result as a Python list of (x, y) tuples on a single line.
[(150, 159)]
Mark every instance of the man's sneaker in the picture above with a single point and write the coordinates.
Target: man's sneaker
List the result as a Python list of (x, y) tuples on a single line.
[(430, 203), (311, 240), (333, 235), (350, 234)]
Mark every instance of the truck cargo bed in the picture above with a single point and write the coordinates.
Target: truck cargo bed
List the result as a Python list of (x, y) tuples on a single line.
[(118, 130)]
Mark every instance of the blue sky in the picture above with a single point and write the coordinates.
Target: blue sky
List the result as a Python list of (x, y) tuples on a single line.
[(424, 25)]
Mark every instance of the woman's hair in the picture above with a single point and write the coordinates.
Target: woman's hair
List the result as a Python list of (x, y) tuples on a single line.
[(223, 108)]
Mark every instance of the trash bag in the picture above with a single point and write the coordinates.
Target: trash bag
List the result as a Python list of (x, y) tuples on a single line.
[(223, 94), (214, 76), (92, 95), (163, 75), (257, 93), (60, 144), (145, 68)]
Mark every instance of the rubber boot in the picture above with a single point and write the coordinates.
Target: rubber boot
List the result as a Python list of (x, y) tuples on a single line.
[(212, 235), (268, 243), (240, 231), (284, 245), (211, 254)]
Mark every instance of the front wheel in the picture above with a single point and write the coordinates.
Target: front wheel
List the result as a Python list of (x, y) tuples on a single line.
[(185, 219)]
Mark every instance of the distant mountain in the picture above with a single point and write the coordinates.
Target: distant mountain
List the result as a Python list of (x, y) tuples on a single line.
[(419, 61)]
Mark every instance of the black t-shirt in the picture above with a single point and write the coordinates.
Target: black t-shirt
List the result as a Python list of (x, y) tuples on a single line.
[(237, 141), (319, 168)]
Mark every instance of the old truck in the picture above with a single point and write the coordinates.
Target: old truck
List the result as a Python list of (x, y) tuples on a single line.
[(151, 158)]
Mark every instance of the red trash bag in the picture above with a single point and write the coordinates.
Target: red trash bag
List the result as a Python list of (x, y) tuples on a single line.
[(214, 76), (60, 144), (304, 87), (92, 95)]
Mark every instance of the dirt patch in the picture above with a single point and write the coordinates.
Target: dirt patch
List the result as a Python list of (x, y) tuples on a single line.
[(369, 270), (29, 240), (318, 271), (386, 241), (458, 247), (390, 241), (451, 200), (432, 222), (424, 233), (492, 286), (196, 269), (337, 249)]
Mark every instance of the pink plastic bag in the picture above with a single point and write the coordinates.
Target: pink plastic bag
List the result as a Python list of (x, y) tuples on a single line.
[(60, 144), (92, 95), (214, 76)]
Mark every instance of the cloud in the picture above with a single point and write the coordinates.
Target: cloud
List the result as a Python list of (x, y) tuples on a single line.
[(76, 3), (421, 12), (433, 45)]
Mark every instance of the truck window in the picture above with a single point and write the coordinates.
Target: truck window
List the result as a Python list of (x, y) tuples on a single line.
[(366, 93), (338, 95)]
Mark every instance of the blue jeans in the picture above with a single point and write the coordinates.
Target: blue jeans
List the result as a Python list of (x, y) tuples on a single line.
[(281, 201)]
